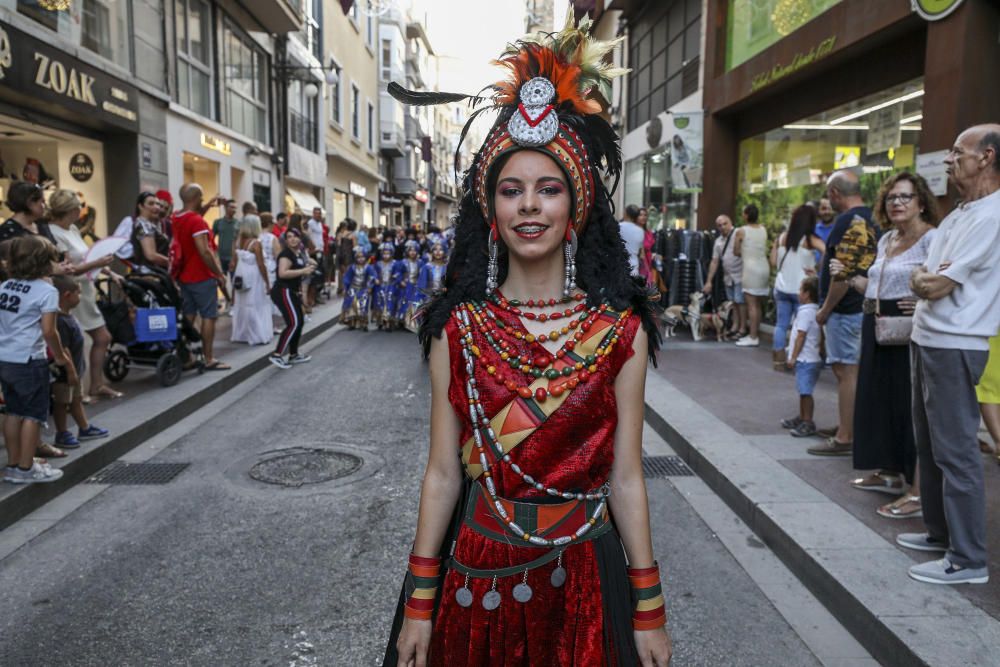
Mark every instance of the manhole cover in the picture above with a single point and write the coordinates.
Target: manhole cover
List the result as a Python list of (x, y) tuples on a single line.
[(665, 466), (297, 467)]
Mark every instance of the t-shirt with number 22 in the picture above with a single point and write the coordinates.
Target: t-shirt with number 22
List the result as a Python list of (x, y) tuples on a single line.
[(22, 303)]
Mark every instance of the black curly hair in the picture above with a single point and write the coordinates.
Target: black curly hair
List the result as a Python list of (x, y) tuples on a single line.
[(602, 266)]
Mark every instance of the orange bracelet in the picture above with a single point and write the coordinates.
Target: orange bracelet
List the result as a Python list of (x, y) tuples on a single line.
[(649, 612), (425, 573)]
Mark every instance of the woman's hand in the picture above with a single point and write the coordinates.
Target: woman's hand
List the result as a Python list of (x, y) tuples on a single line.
[(836, 267), (414, 642), (907, 306), (654, 647)]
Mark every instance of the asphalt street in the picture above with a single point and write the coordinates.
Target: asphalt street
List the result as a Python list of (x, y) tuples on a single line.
[(217, 568)]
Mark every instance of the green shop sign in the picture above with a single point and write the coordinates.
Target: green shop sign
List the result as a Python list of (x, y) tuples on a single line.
[(934, 10), (801, 59)]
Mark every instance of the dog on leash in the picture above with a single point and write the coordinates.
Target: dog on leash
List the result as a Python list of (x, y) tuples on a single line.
[(692, 317)]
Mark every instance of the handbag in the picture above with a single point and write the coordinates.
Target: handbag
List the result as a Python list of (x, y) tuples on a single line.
[(890, 329)]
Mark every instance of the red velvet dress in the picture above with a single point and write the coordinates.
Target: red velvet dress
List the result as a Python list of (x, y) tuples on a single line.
[(572, 450)]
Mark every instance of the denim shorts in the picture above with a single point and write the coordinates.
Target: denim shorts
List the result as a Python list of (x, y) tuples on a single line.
[(26, 389), (843, 338), (201, 299), (806, 375), (734, 293)]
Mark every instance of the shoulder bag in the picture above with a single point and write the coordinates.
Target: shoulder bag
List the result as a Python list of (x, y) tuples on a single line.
[(890, 329)]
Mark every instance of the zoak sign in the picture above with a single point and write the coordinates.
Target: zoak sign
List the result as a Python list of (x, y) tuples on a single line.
[(934, 10), (34, 69)]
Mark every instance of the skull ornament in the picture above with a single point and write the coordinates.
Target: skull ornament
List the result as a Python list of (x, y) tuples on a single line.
[(535, 123)]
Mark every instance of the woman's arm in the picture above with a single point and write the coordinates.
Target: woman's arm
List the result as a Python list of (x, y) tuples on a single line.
[(774, 248), (438, 493), (259, 254), (816, 243), (148, 244), (628, 501), (738, 244)]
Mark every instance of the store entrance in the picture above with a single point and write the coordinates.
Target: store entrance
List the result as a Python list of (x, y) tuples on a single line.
[(55, 160), (205, 173)]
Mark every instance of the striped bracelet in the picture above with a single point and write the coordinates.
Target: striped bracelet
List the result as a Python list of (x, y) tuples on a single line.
[(425, 572), (649, 612)]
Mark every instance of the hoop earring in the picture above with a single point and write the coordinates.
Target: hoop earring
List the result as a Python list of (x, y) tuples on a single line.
[(569, 254), (492, 269)]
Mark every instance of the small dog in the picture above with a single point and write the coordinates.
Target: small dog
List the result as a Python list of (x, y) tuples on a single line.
[(716, 321), (689, 316)]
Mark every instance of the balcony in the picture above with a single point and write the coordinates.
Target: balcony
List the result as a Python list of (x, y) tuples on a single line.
[(303, 131), (276, 16), (393, 139)]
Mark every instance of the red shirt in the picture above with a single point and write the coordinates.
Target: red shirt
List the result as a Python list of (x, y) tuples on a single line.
[(188, 225)]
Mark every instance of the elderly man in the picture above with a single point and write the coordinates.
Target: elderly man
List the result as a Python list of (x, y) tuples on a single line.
[(732, 274), (958, 311), (853, 242)]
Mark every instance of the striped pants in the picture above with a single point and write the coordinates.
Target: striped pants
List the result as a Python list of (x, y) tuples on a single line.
[(289, 302)]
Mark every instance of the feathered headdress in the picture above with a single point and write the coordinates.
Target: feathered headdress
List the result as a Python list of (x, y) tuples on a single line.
[(548, 103)]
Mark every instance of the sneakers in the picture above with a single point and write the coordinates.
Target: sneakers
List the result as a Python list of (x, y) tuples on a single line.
[(39, 474), (944, 571), (921, 542), (67, 440), (804, 429), (832, 448), (92, 432), (299, 359), (791, 422), (747, 341), (279, 361)]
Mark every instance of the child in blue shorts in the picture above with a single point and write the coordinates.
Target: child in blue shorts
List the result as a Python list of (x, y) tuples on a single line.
[(804, 357), (29, 305)]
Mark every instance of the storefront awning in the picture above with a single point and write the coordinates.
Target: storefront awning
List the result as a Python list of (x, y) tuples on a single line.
[(304, 199)]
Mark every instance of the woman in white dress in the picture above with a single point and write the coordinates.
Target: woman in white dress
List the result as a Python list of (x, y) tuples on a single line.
[(751, 246), (269, 245), (252, 321), (64, 209)]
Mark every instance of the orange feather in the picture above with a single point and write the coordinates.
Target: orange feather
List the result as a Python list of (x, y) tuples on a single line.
[(533, 60)]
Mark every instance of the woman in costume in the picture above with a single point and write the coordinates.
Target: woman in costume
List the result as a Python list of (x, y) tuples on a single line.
[(359, 279), (432, 273), (410, 296), (386, 291), (538, 348)]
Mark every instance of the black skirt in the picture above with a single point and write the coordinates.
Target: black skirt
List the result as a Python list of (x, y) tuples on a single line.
[(883, 414)]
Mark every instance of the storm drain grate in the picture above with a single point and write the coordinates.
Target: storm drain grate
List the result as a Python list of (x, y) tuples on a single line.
[(665, 466), (138, 473)]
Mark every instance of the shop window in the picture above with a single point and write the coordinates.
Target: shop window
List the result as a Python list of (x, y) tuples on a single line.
[(194, 61), (339, 206), (104, 26), (876, 136), (666, 39), (246, 85)]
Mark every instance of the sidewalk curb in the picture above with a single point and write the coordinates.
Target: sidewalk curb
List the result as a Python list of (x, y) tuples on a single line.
[(864, 585), (23, 500)]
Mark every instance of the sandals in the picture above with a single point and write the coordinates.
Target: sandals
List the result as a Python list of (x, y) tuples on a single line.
[(45, 450), (891, 484), (105, 391), (897, 509)]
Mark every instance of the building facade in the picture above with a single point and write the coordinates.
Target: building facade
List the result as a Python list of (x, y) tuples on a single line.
[(875, 87), (352, 122), (82, 101), (224, 132)]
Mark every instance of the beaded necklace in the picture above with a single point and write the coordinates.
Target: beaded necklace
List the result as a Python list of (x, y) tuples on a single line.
[(484, 436)]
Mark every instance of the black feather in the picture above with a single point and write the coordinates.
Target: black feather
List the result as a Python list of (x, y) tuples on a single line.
[(418, 98)]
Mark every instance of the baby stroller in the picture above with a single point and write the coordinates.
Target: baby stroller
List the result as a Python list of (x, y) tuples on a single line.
[(147, 328)]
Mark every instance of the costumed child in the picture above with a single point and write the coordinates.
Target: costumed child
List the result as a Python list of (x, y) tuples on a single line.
[(29, 305), (538, 342), (386, 290), (360, 278), (432, 273), (410, 296), (67, 396)]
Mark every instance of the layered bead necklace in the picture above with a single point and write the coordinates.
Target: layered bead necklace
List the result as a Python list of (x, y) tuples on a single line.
[(484, 435)]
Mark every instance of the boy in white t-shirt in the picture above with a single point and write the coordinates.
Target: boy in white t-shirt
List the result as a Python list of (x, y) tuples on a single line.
[(804, 357)]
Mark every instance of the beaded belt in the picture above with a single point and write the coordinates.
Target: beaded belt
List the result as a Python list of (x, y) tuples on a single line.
[(550, 520)]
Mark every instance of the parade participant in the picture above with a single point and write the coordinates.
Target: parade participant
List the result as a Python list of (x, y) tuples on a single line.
[(287, 296), (389, 273), (539, 384), (432, 273), (360, 278), (410, 297)]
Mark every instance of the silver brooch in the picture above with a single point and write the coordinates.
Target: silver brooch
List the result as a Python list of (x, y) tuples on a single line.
[(535, 123)]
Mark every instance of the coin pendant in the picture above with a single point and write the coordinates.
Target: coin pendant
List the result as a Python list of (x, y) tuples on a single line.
[(464, 597), (522, 592), (491, 601), (558, 577)]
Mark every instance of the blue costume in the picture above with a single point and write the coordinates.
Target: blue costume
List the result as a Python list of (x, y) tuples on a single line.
[(410, 296), (431, 280), (359, 278), (387, 287)]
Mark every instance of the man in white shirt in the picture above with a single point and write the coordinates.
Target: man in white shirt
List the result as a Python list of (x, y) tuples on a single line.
[(633, 236), (724, 257), (958, 311)]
